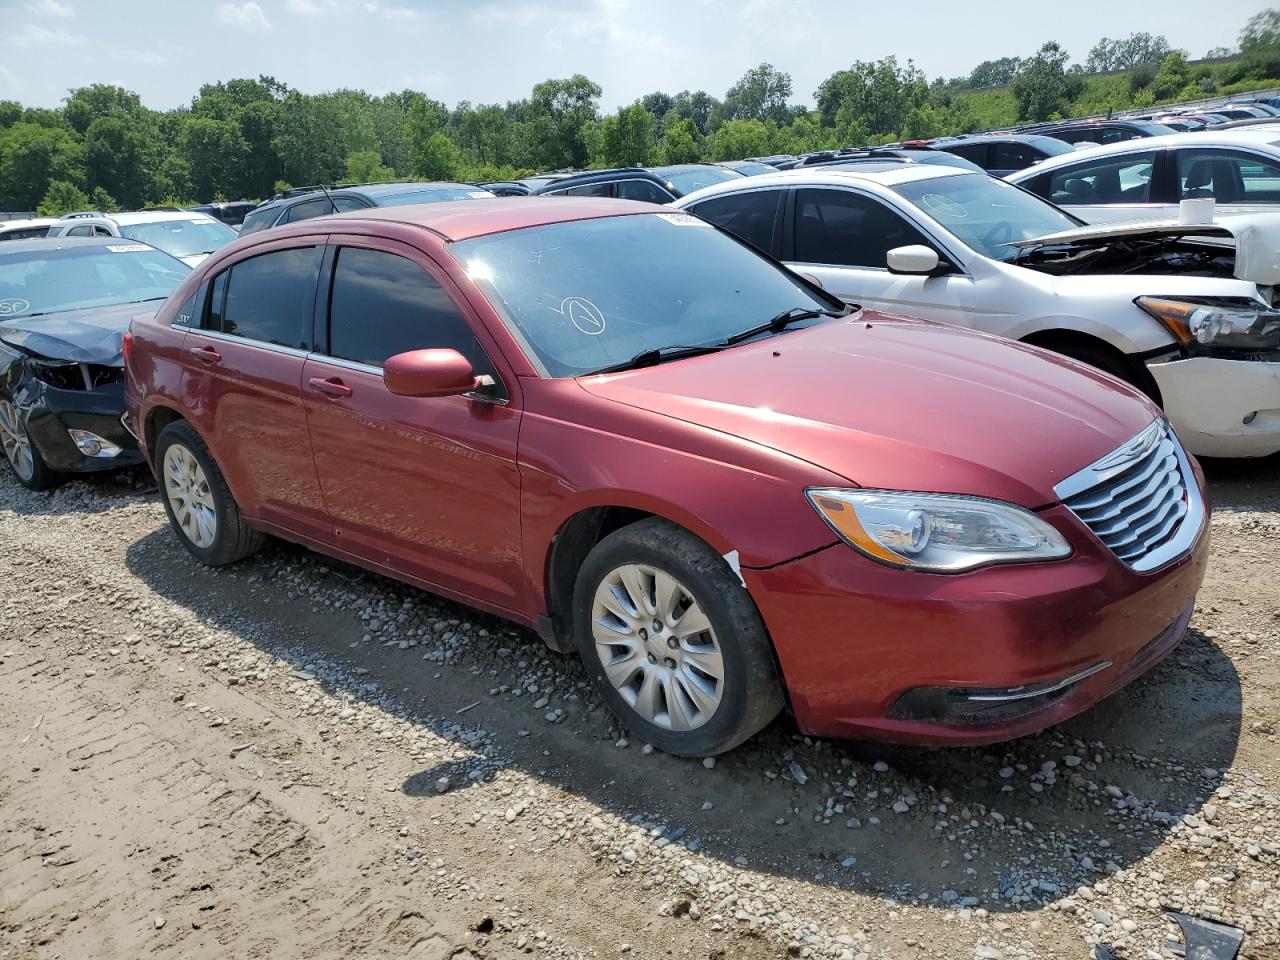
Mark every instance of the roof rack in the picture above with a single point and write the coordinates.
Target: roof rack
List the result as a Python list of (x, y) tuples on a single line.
[(81, 214)]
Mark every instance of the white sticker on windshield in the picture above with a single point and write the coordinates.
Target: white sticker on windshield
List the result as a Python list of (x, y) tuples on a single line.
[(683, 220), (583, 314), (479, 194), (128, 247)]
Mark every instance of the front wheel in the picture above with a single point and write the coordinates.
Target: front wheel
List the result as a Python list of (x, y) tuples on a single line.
[(25, 460), (674, 641), (200, 507)]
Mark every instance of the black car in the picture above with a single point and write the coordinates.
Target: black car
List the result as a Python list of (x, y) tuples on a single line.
[(506, 188), (748, 168), (651, 184), (65, 305), (231, 213), (1098, 131), (1004, 153), (305, 203)]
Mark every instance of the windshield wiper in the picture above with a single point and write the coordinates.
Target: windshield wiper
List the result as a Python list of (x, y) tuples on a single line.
[(781, 321), (656, 355)]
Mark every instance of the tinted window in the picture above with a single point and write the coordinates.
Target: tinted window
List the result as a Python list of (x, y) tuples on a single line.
[(835, 226), (747, 215), (268, 297), (1228, 176), (643, 190), (345, 204), (26, 233), (80, 232), (1113, 180), (1013, 156), (590, 190), (308, 209), (977, 152), (383, 304)]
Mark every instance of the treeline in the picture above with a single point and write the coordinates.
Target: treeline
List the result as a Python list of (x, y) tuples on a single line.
[(249, 138)]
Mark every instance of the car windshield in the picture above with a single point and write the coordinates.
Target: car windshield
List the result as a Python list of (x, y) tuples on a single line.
[(986, 214), (181, 238), (687, 181), (589, 294), (56, 277), (434, 195)]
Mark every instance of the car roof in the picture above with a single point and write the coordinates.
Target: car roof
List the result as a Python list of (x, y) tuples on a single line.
[(29, 222), (158, 216), (59, 243), (454, 220), (1202, 138), (891, 174)]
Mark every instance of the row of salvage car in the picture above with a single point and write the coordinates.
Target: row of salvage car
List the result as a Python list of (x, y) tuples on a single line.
[(731, 486)]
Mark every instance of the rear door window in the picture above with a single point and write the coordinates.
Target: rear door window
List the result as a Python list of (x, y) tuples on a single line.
[(383, 304), (267, 298), (1111, 180), (1228, 176), (849, 229), (750, 216), (645, 190), (309, 209), (591, 190), (1013, 156), (974, 152)]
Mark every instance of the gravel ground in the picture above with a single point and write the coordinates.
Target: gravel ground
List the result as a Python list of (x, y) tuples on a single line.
[(293, 758)]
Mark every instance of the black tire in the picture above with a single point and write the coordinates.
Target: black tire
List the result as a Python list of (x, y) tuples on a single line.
[(233, 538), (752, 692), (43, 476)]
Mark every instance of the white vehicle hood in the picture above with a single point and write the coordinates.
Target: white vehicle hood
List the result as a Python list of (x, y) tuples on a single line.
[(1256, 237), (195, 259)]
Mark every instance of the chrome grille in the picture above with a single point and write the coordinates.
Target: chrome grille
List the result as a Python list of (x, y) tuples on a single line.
[(1141, 500)]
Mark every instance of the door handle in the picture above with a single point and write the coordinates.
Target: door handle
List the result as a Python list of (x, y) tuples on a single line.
[(331, 387), (206, 355)]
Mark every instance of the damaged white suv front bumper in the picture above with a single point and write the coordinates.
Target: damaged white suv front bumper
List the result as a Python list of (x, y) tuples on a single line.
[(1221, 407)]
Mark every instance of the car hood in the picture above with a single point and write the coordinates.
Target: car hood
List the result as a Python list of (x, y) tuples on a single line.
[(91, 335), (900, 404), (195, 259), (1256, 237)]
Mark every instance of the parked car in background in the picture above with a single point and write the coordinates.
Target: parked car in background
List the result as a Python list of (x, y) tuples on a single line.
[(826, 158), (64, 307), (1176, 311), (305, 204), (27, 229), (748, 168), (232, 213), (1098, 131), (650, 184), (542, 179), (773, 161), (709, 487), (183, 234), (1001, 154), (507, 188), (1239, 169)]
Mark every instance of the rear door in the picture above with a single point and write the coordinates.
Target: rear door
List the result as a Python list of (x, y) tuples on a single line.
[(424, 486), (1239, 181), (1118, 187), (242, 375)]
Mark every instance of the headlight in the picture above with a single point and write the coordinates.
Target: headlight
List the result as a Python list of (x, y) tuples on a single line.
[(936, 532), (1240, 324)]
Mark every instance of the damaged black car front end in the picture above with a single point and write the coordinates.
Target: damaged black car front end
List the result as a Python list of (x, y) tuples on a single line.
[(62, 406)]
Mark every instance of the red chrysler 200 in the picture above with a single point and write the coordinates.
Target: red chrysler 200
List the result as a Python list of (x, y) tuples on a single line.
[(727, 490)]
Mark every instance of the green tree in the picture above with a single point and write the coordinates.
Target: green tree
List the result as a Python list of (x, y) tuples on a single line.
[(875, 96), (564, 107), (760, 94), (366, 166), (62, 197), (626, 138), (698, 106), (682, 143), (308, 151), (435, 156), (103, 201), (739, 139), (994, 73), (31, 157), (1043, 87), (84, 105), (216, 156), (117, 157), (10, 113), (1172, 77)]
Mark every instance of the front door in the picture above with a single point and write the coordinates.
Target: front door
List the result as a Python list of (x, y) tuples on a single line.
[(427, 487)]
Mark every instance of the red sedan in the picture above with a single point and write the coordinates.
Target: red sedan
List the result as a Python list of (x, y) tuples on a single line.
[(727, 490)]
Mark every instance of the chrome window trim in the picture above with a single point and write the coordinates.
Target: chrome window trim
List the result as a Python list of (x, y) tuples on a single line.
[(377, 371), (1116, 462)]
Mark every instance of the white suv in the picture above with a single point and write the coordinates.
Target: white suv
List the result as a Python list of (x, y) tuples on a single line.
[(183, 234), (1186, 314)]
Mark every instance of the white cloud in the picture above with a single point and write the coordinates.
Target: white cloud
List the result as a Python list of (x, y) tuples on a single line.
[(50, 8), (377, 9), (306, 8), (33, 33), (148, 58), (504, 15), (243, 16)]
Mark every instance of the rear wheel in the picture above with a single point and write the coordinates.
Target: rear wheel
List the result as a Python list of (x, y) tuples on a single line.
[(200, 507), (674, 641), (25, 460)]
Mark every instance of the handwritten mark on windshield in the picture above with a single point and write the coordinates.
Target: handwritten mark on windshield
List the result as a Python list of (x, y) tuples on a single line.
[(583, 314)]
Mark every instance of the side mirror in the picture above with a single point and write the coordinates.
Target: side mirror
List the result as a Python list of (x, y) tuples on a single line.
[(914, 259), (429, 373), (812, 279)]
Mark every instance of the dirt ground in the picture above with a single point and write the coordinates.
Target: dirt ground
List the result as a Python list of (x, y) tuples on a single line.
[(291, 758)]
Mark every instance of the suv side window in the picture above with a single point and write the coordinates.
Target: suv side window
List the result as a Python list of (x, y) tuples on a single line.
[(1013, 156), (748, 215), (848, 229), (343, 204), (643, 190), (1228, 176), (383, 304), (1112, 180), (590, 190), (311, 208), (976, 152), (266, 298)]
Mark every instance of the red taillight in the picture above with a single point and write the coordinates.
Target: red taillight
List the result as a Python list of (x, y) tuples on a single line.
[(126, 347)]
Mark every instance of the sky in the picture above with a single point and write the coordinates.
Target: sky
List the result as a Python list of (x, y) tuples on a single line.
[(496, 50)]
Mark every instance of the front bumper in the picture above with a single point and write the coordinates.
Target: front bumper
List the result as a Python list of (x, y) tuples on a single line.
[(853, 637), (1208, 399), (51, 412)]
